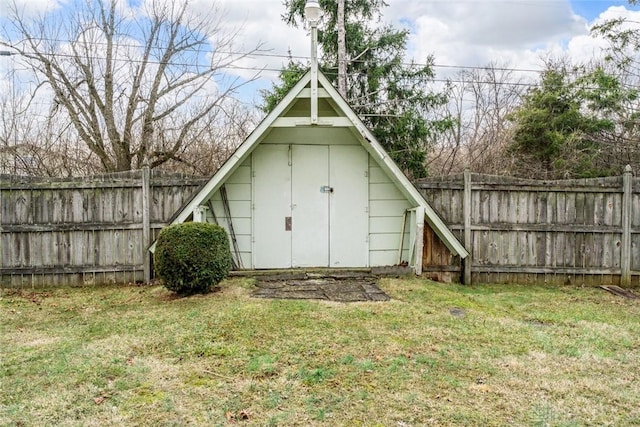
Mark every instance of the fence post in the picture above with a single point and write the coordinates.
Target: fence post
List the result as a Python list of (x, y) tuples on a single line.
[(627, 205), (146, 223), (466, 212)]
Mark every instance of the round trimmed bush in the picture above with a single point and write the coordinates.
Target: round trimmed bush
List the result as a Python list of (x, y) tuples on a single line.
[(192, 257)]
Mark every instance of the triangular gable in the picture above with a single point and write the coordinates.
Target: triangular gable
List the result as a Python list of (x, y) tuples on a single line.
[(368, 141)]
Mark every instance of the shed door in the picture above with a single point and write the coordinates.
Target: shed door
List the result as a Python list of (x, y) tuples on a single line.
[(310, 206), (310, 190), (349, 204), (272, 206)]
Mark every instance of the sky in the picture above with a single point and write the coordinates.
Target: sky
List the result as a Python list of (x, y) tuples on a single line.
[(458, 33)]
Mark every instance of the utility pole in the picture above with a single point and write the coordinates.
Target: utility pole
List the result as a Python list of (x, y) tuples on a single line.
[(313, 12), (342, 50)]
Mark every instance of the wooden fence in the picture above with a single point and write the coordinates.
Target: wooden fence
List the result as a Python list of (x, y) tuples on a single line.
[(518, 230), (97, 229), (85, 230)]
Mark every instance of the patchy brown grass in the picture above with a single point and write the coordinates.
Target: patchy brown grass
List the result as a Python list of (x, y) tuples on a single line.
[(510, 355)]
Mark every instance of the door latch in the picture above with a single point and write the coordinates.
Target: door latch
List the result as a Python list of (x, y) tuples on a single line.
[(326, 189), (287, 223)]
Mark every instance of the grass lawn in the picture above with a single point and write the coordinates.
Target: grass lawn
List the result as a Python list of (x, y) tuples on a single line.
[(508, 355)]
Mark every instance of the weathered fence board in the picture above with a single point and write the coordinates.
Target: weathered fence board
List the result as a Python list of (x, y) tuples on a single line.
[(84, 230), (520, 230)]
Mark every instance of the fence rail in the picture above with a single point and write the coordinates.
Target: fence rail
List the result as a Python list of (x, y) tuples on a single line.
[(85, 230)]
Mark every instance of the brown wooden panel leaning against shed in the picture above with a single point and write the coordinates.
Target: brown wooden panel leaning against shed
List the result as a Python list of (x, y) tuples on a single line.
[(582, 231), (438, 263), (78, 231)]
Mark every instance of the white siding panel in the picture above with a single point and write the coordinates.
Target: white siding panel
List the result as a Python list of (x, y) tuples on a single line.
[(242, 175), (238, 209), (246, 259), (241, 226), (377, 175), (390, 257), (385, 224), (381, 242), (388, 207), (217, 210), (391, 241), (311, 136), (235, 192), (244, 243), (238, 187), (385, 191)]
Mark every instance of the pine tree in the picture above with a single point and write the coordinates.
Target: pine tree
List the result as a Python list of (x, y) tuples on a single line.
[(393, 98)]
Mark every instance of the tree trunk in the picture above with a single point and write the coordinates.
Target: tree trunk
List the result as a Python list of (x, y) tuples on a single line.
[(342, 51)]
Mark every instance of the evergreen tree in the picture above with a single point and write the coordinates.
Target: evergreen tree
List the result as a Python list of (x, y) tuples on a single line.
[(559, 129), (392, 97)]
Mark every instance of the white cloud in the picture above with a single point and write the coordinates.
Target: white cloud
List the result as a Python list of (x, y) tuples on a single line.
[(614, 12), (260, 22), (464, 33), (477, 33), (29, 8), (249, 24), (513, 33)]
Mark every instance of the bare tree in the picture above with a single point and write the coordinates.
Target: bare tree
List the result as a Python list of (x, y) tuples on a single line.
[(212, 141), (495, 94), (125, 78), (480, 100), (32, 142), (42, 144)]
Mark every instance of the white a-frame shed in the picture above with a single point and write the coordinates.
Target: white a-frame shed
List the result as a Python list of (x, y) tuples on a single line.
[(311, 187)]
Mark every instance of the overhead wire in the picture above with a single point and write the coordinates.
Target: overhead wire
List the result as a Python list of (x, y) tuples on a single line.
[(246, 55), (256, 53), (251, 54), (227, 63)]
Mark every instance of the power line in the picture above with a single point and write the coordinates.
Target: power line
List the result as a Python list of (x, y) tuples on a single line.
[(425, 79), (244, 55), (265, 54), (229, 65)]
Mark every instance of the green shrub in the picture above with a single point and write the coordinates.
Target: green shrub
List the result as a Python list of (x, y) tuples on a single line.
[(192, 257)]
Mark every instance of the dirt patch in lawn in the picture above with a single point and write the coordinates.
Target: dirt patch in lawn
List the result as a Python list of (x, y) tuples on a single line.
[(338, 287)]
